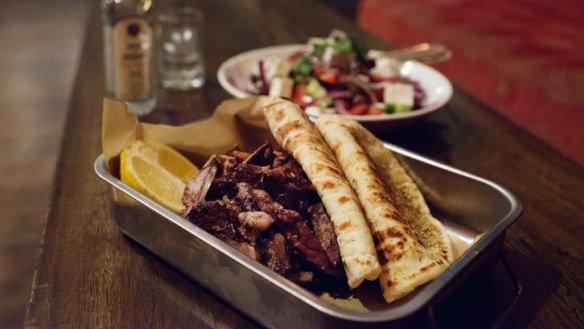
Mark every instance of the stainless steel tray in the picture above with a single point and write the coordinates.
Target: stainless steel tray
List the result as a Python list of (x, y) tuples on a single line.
[(475, 211)]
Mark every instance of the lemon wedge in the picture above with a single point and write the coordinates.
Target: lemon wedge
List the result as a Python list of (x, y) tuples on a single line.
[(158, 172)]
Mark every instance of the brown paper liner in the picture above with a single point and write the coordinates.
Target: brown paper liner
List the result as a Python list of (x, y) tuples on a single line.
[(234, 122)]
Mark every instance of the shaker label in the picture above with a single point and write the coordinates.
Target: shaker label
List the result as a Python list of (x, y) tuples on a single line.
[(132, 50)]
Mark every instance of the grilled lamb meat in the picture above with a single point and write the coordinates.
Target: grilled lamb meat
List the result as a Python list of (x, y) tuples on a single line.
[(303, 240), (248, 173), (197, 188), (221, 186), (245, 248), (324, 231), (293, 191), (262, 204), (214, 217), (251, 198), (260, 156), (277, 256)]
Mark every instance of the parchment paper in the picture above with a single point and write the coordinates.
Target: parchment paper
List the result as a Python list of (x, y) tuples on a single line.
[(235, 121)]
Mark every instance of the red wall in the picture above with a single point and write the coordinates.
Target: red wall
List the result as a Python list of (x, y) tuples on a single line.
[(523, 58)]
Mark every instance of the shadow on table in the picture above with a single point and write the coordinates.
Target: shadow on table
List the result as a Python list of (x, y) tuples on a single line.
[(535, 293), (425, 137), (497, 297)]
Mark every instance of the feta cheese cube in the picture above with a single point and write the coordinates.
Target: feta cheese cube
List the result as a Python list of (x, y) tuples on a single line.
[(398, 93), (386, 67), (281, 87), (275, 67)]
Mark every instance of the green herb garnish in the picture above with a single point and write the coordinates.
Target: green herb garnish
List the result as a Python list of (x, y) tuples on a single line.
[(319, 49), (343, 46), (301, 68)]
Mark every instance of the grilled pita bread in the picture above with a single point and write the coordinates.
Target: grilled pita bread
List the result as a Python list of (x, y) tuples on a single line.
[(413, 245), (297, 135)]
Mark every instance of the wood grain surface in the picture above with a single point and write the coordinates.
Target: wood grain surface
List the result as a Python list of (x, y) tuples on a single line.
[(41, 43), (90, 276)]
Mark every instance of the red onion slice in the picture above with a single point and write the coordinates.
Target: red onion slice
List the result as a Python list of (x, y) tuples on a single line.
[(361, 84), (340, 106), (265, 86)]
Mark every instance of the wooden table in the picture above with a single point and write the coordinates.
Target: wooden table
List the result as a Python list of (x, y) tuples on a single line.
[(89, 275)]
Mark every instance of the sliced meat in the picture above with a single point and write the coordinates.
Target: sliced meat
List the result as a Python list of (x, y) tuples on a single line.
[(225, 160), (255, 199), (325, 233), (248, 235), (197, 188), (240, 155), (306, 243), (262, 204), (244, 197), (258, 157), (245, 248), (290, 173), (232, 206), (293, 200), (261, 156), (220, 187), (290, 188), (277, 255), (248, 173), (213, 217), (268, 156)]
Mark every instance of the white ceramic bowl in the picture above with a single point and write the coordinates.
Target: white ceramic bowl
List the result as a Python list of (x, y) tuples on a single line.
[(234, 76)]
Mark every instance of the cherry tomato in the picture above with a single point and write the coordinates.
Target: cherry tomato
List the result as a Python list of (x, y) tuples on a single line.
[(299, 95), (377, 78), (327, 75), (359, 109), (292, 58), (373, 109)]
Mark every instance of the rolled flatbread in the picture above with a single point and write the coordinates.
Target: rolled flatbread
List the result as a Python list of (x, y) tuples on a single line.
[(412, 245), (297, 135)]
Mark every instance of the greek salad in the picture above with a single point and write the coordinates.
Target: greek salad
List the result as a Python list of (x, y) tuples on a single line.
[(333, 75)]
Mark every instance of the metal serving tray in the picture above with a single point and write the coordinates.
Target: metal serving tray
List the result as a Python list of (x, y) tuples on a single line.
[(476, 212)]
